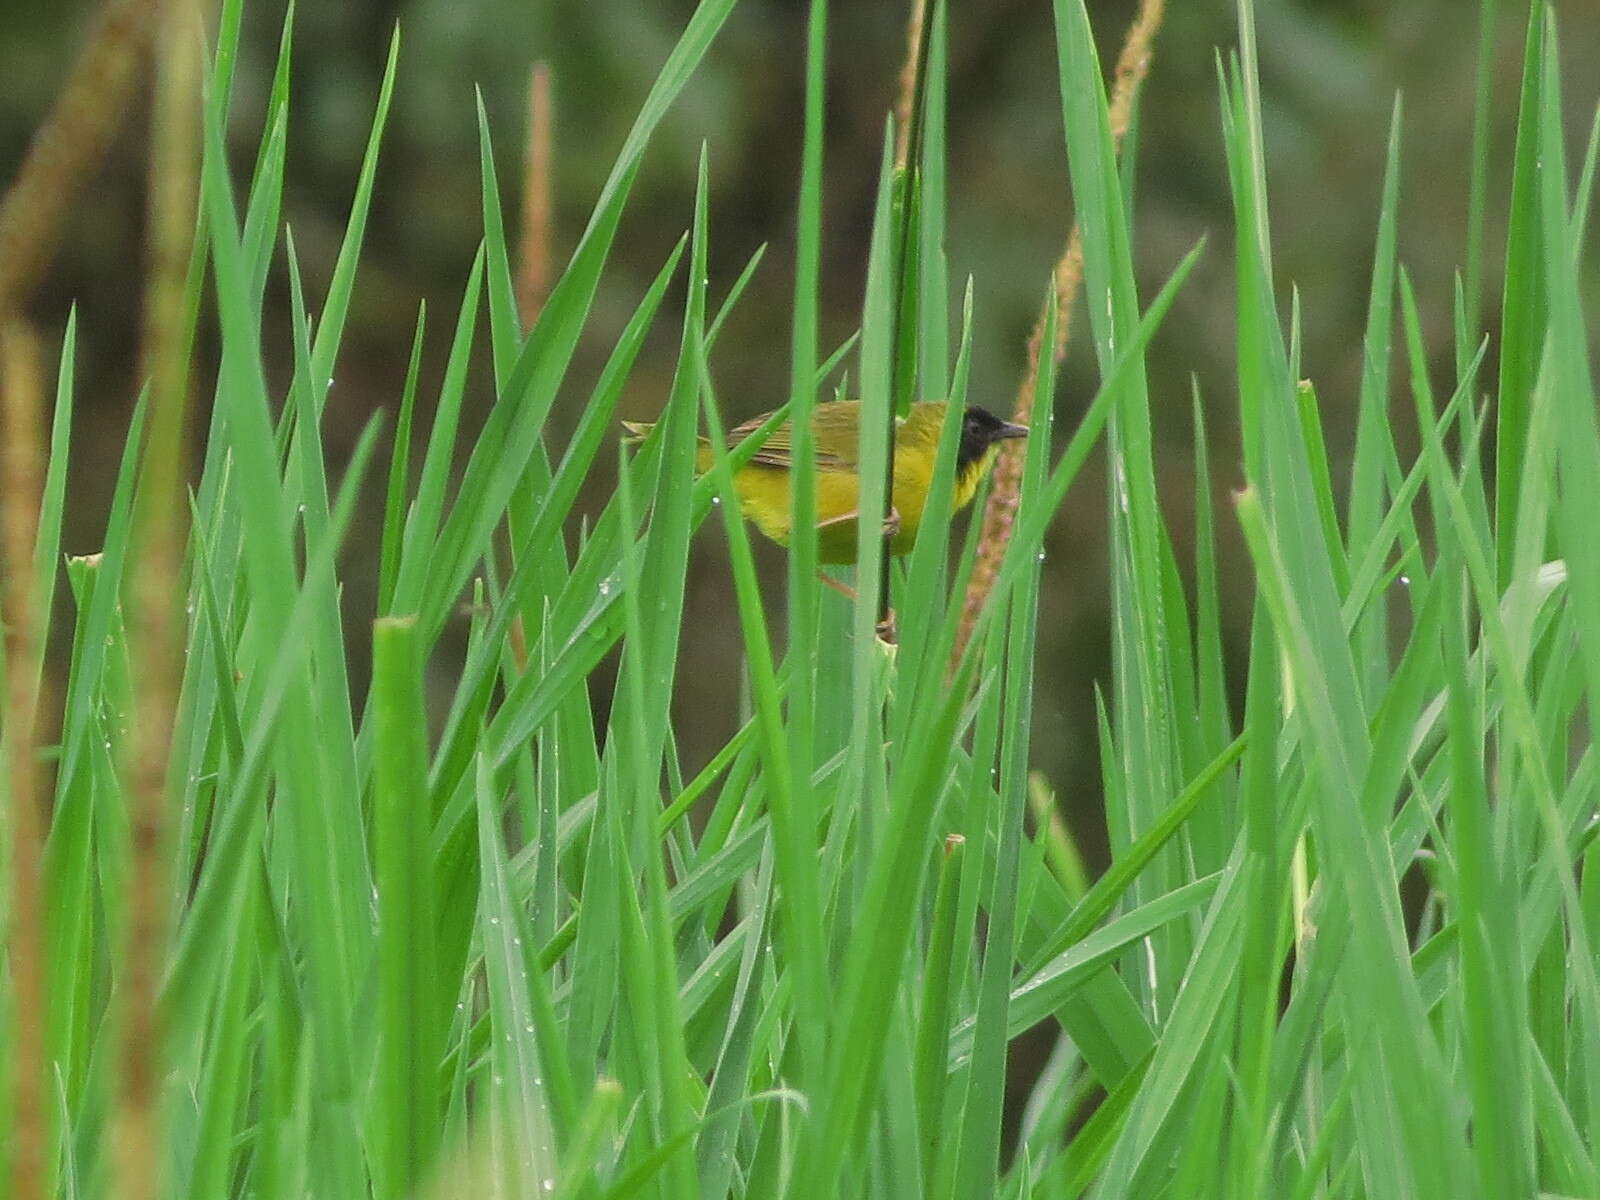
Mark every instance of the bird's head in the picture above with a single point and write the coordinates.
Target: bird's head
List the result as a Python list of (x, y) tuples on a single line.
[(981, 430)]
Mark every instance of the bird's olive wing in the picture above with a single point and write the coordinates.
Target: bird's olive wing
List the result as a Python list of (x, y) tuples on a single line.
[(777, 448)]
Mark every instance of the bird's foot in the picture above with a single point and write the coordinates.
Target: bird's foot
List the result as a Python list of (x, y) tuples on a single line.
[(887, 631)]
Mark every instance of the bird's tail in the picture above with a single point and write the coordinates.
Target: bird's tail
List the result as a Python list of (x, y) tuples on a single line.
[(635, 432)]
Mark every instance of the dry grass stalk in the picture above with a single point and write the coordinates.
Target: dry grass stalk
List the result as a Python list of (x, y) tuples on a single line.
[(22, 463), (67, 146), (533, 258), (999, 515), (533, 266), (906, 96), (156, 586)]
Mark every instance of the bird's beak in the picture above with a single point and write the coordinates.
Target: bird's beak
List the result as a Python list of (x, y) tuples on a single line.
[(1008, 430)]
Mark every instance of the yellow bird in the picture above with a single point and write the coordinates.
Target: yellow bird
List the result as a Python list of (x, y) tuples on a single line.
[(763, 483)]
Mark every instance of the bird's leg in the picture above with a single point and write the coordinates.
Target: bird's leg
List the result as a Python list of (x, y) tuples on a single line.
[(886, 628), (887, 632), (891, 523), (844, 589)]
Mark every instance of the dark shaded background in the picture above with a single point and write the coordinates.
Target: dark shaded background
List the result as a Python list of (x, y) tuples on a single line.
[(1330, 71)]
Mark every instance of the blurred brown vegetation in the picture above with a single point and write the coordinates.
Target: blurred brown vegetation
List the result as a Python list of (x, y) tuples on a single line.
[(1330, 70)]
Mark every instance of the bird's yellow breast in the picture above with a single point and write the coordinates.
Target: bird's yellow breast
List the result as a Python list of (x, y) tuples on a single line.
[(764, 499)]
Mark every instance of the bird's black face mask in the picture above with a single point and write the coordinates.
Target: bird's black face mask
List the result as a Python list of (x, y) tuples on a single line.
[(981, 429)]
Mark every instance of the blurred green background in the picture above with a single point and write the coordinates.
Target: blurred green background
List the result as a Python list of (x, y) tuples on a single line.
[(1330, 71)]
